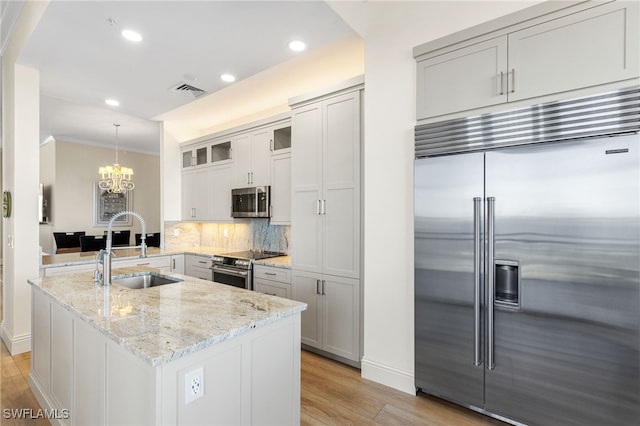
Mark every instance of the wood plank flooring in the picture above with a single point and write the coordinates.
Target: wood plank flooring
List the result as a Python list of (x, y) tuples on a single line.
[(335, 394)]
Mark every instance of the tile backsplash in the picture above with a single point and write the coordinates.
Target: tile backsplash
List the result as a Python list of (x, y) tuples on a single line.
[(255, 233)]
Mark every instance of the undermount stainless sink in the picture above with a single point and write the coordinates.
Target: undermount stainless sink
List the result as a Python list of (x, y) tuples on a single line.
[(145, 280)]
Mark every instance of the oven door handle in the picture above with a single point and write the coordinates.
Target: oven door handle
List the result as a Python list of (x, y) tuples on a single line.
[(229, 271)]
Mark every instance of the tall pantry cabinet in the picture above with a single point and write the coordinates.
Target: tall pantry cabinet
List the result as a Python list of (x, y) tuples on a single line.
[(325, 222)]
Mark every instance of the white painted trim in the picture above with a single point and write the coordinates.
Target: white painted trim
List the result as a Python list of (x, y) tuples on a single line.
[(16, 344), (388, 376)]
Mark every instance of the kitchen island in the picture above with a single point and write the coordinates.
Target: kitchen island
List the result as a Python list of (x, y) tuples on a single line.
[(114, 355)]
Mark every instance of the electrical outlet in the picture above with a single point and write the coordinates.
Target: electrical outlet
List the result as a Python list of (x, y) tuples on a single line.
[(193, 385), (176, 232)]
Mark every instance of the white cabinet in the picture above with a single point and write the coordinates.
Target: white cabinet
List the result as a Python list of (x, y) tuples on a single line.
[(237, 158), (196, 194), (202, 183), (463, 79), (251, 158), (220, 185), (194, 156), (177, 264), (591, 47), (325, 174), (331, 321), (325, 222), (198, 266), (281, 188), (163, 263), (272, 280), (52, 363)]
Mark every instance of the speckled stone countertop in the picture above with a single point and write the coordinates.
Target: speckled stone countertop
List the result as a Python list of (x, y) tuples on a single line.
[(68, 259), (163, 323), (278, 262)]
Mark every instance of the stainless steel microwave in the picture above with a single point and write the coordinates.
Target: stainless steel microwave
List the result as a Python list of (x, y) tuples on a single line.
[(250, 202)]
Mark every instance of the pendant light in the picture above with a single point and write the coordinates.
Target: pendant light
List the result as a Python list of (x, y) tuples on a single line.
[(116, 178)]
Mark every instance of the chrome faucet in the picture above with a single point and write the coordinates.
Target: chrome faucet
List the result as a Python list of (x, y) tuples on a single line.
[(106, 254)]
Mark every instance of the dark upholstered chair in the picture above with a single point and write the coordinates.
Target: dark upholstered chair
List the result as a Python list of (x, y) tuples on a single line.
[(67, 242), (93, 242), (119, 238), (152, 239)]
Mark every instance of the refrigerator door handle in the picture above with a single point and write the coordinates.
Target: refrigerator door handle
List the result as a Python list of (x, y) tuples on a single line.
[(477, 357), (490, 274)]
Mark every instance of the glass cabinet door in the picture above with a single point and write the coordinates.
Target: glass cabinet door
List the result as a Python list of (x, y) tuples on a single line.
[(281, 138), (187, 159), (201, 156)]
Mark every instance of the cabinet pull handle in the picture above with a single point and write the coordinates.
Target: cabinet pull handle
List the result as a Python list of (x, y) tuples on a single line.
[(318, 287), (500, 83), (324, 206), (173, 262), (324, 283), (143, 264), (248, 177), (513, 80), (317, 206), (270, 273), (202, 261)]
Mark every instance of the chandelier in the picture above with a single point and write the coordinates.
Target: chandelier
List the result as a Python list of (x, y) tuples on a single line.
[(116, 178)]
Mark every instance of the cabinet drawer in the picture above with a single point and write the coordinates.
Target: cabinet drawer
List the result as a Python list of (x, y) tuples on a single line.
[(198, 267), (160, 262), (273, 274), (272, 287)]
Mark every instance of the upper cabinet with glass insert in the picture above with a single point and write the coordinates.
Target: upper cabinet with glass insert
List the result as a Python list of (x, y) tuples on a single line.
[(281, 139), (207, 153), (194, 156)]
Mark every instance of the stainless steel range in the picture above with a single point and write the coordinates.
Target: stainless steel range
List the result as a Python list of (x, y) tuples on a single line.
[(236, 268)]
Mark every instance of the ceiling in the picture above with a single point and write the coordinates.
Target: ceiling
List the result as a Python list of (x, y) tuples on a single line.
[(83, 59)]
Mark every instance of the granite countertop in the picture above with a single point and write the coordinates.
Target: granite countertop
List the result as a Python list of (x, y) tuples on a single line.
[(67, 259), (163, 323), (278, 262)]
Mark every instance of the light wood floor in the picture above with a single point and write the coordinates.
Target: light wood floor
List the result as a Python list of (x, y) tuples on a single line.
[(335, 394), (332, 394)]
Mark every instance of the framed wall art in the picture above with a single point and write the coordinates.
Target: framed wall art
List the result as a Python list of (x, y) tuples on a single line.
[(106, 204)]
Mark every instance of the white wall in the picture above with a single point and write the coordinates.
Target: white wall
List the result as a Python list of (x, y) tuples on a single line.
[(391, 30), (20, 156), (76, 171)]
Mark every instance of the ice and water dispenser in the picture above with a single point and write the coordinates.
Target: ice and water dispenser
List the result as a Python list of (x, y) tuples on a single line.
[(507, 288)]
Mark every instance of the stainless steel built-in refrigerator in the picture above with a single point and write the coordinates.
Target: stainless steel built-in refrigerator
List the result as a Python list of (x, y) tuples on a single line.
[(527, 262)]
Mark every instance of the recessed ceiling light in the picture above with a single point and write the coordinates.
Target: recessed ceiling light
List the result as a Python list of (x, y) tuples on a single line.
[(297, 46), (111, 102), (131, 35), (228, 78)]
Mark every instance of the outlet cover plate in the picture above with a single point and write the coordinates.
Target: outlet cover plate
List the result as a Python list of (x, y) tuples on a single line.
[(193, 385)]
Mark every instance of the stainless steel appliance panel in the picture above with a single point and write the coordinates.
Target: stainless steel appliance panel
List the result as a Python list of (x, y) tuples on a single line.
[(568, 214), (232, 276), (251, 202), (446, 324)]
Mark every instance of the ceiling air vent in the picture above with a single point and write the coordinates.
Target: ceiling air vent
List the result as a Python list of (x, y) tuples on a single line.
[(187, 90)]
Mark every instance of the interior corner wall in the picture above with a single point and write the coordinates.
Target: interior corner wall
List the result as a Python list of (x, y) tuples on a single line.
[(76, 174), (392, 29)]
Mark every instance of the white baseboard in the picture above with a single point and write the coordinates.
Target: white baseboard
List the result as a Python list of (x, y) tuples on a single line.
[(16, 344), (401, 380)]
